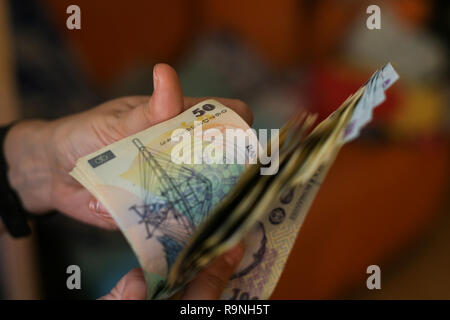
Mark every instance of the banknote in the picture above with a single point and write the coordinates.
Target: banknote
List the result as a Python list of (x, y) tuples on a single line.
[(269, 243), (253, 204), (179, 212), (319, 156), (157, 203), (372, 97)]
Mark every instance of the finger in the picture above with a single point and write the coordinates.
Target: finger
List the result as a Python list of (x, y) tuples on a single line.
[(211, 281), (237, 105), (165, 103), (86, 216), (79, 209), (97, 208), (167, 100), (131, 287)]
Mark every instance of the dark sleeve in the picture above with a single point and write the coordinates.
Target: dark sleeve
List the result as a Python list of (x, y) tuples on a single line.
[(11, 211)]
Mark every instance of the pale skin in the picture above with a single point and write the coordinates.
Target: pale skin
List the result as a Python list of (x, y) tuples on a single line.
[(40, 155)]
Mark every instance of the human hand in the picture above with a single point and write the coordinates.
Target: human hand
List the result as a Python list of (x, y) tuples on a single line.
[(208, 284), (40, 154)]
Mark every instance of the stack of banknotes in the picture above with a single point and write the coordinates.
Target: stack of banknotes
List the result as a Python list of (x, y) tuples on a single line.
[(179, 211)]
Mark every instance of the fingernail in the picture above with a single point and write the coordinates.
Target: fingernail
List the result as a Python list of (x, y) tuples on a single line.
[(234, 256), (155, 77), (92, 205), (96, 207)]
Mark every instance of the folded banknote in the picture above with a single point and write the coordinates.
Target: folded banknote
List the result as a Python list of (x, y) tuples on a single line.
[(185, 190)]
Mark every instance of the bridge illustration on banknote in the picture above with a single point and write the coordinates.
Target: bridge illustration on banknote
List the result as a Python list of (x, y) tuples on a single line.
[(187, 196)]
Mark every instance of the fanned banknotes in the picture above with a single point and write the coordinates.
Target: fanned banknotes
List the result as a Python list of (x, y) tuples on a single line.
[(180, 209)]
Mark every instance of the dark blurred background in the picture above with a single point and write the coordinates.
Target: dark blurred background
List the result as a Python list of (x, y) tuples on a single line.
[(386, 200)]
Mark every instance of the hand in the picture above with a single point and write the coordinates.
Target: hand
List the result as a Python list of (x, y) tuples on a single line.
[(208, 285), (41, 154)]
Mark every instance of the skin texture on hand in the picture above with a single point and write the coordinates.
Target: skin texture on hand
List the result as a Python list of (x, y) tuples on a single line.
[(208, 285), (40, 154)]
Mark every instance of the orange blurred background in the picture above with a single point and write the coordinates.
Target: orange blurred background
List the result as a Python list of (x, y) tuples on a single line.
[(384, 202)]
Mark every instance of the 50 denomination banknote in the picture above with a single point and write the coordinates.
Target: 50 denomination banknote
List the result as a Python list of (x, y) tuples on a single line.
[(157, 203), (181, 202)]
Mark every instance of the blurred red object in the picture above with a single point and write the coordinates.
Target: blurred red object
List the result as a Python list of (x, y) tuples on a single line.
[(413, 12), (328, 84)]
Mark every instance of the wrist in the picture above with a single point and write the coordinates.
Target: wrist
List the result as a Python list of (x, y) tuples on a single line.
[(29, 164)]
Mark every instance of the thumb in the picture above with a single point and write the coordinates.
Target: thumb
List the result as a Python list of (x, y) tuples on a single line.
[(167, 100), (165, 103)]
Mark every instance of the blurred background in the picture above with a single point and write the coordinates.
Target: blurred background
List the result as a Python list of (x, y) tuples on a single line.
[(386, 201)]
